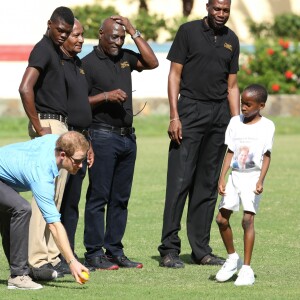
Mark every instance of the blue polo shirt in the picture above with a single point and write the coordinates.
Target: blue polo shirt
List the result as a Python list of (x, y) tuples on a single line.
[(32, 166)]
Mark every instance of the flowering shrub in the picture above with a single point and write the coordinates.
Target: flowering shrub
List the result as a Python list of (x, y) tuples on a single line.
[(274, 64)]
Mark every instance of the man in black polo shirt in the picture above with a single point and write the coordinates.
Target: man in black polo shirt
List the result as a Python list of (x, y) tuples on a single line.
[(108, 71), (79, 119), (204, 65), (44, 97)]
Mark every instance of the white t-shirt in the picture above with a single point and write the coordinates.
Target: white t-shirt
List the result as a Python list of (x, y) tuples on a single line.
[(249, 142)]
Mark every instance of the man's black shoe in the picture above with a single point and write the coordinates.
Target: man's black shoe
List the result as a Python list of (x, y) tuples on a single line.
[(100, 263), (43, 273), (49, 266), (124, 262), (171, 260), (208, 260), (62, 267)]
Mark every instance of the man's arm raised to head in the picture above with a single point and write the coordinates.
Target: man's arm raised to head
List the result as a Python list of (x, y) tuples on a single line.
[(148, 58)]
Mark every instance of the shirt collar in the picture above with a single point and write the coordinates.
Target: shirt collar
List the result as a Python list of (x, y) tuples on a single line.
[(56, 47), (100, 53), (204, 25)]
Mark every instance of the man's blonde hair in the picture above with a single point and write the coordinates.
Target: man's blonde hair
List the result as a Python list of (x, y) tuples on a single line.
[(72, 141)]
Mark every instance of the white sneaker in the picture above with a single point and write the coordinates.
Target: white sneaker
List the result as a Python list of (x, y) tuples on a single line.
[(22, 283), (245, 277), (230, 267)]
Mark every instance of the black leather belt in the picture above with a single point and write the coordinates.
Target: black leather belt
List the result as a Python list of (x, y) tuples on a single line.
[(58, 117), (118, 130), (81, 130), (78, 129)]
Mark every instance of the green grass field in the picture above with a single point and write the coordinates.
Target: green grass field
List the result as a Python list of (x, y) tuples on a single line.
[(276, 257)]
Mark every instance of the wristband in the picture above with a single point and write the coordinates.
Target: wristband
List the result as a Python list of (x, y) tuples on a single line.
[(72, 260)]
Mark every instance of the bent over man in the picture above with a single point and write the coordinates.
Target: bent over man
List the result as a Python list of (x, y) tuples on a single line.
[(33, 165)]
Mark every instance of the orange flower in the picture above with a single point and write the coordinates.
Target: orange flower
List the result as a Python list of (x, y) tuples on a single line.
[(288, 74), (270, 51), (275, 87), (284, 44)]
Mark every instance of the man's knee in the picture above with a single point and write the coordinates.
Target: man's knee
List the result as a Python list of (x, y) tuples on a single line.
[(24, 209)]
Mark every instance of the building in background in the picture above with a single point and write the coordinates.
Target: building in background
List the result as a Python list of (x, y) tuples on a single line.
[(24, 22)]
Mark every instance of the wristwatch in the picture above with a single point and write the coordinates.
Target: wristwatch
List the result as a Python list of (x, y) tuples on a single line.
[(136, 34)]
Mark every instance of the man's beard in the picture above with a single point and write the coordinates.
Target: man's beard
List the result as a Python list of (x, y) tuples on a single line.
[(213, 25)]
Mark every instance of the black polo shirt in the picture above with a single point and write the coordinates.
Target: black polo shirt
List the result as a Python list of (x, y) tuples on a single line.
[(50, 90), (79, 109), (105, 74), (207, 62)]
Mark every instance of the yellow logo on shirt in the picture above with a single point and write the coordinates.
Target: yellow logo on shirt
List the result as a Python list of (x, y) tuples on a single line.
[(81, 71), (124, 64), (228, 46)]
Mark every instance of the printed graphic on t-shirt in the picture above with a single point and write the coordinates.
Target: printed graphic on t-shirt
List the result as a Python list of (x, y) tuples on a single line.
[(249, 143), (243, 159)]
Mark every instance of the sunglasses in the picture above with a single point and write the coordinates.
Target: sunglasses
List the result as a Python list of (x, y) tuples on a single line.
[(77, 161)]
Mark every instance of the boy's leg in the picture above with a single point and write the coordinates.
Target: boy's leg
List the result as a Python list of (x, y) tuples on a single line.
[(233, 262), (222, 220), (249, 235), (246, 274)]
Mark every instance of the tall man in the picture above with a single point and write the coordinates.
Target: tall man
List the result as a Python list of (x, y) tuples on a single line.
[(33, 165), (204, 65), (108, 71), (79, 119), (44, 96)]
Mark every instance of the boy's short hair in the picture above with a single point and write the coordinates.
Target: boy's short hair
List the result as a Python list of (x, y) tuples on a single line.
[(259, 92), (63, 13)]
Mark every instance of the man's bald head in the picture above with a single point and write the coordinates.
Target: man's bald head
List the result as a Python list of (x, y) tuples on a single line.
[(111, 37)]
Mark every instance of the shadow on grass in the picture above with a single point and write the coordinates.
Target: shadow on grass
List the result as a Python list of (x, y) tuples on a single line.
[(186, 258)]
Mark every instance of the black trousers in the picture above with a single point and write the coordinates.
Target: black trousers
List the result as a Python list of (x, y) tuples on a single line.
[(15, 214), (69, 206), (110, 181), (193, 170)]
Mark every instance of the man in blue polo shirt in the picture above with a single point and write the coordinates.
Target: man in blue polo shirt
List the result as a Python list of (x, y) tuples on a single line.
[(34, 165)]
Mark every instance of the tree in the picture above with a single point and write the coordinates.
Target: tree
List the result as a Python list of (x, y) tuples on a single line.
[(187, 6), (143, 5)]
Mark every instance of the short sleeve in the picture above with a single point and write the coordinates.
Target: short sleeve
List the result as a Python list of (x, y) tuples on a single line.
[(39, 57), (270, 137), (234, 64), (179, 49)]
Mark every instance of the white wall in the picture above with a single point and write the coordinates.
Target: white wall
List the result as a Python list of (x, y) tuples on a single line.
[(25, 21)]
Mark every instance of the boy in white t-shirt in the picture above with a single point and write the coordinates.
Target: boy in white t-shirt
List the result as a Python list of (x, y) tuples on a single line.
[(255, 133)]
